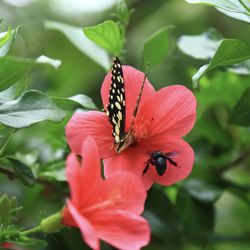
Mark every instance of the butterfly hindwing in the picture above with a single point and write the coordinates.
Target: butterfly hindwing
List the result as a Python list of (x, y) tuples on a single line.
[(116, 109)]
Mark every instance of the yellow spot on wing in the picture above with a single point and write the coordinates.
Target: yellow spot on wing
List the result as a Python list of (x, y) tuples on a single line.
[(117, 139), (119, 115), (117, 131), (117, 104)]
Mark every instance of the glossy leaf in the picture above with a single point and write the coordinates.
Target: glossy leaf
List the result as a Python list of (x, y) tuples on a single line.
[(202, 190), (163, 218), (213, 93), (157, 47), (4, 37), (230, 51), (31, 107), (46, 60), (123, 12), (6, 41), (13, 69), (5, 134), (241, 114), (85, 101), (201, 46), (236, 9), (7, 207), (107, 35), (54, 171), (12, 92), (240, 68), (23, 172), (82, 42), (197, 217)]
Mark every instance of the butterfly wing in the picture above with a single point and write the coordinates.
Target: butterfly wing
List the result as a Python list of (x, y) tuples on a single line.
[(116, 109)]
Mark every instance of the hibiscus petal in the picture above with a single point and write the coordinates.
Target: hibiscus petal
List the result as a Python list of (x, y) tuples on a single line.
[(90, 172), (134, 159), (73, 177), (133, 79), (92, 123), (122, 229), (180, 152), (130, 160), (89, 233), (171, 110), (125, 191)]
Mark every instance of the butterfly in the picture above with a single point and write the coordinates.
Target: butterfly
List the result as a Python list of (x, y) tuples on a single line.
[(116, 109)]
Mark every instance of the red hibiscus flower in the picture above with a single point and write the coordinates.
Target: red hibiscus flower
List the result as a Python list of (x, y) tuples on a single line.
[(104, 209), (163, 118), (7, 245)]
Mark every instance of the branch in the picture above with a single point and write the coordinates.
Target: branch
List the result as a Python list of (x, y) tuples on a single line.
[(241, 158), (11, 176)]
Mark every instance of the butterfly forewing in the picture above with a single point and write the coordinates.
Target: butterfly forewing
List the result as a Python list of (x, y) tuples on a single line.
[(116, 110)]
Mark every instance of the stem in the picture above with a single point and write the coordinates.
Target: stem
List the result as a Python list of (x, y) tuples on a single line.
[(31, 231), (236, 162), (244, 5), (11, 175), (229, 238)]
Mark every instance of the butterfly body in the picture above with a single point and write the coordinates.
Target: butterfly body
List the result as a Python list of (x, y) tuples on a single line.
[(116, 109)]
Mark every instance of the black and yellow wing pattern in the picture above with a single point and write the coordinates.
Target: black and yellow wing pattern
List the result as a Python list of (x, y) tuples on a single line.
[(116, 109)]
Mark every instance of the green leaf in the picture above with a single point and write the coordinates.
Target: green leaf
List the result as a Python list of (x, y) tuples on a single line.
[(236, 9), (54, 171), (46, 60), (7, 208), (13, 69), (197, 217), (123, 12), (213, 94), (81, 99), (241, 114), (23, 172), (164, 220), (107, 35), (31, 107), (240, 68), (230, 51), (157, 47), (4, 37), (5, 133), (82, 42), (12, 92), (201, 46), (202, 190), (6, 41), (30, 242)]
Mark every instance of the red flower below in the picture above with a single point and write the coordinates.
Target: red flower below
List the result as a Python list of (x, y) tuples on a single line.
[(7, 245), (105, 209), (163, 118)]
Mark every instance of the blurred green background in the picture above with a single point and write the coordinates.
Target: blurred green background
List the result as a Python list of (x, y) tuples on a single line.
[(210, 210)]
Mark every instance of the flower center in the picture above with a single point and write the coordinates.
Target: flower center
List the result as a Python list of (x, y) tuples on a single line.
[(140, 129), (137, 132), (114, 198)]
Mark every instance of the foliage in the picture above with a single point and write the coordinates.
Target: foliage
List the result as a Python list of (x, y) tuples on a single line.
[(39, 94)]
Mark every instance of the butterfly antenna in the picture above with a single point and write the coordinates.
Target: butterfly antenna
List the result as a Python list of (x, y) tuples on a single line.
[(140, 93)]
